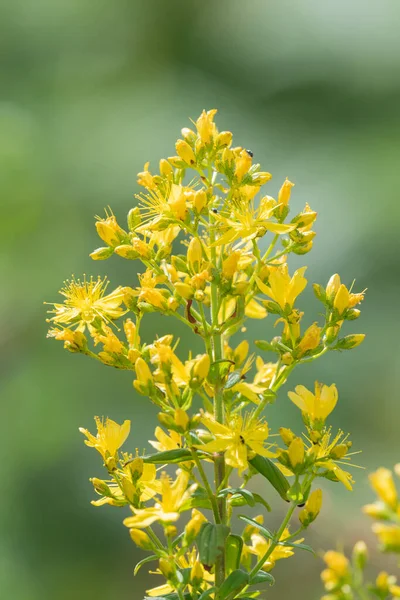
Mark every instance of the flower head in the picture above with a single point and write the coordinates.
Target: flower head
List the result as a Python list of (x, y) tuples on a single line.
[(110, 436), (237, 439), (317, 406), (86, 301)]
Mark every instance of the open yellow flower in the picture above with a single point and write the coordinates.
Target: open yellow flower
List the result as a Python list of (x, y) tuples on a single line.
[(85, 301), (260, 545), (237, 439), (281, 287), (165, 441), (383, 484), (245, 222), (110, 436), (145, 488), (167, 510), (316, 406)]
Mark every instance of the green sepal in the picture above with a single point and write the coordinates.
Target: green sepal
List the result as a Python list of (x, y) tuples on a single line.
[(211, 542), (233, 552), (270, 471), (219, 370)]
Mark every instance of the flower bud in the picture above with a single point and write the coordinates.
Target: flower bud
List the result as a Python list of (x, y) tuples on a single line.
[(360, 554), (287, 435), (100, 487), (102, 253), (109, 231), (311, 510), (197, 574), (206, 126), (243, 164), (333, 287), (195, 254), (284, 192), (342, 299), (141, 539), (144, 381), (185, 152), (184, 290), (350, 341), (202, 367), (165, 168), (167, 568), (224, 138), (188, 134), (181, 419), (136, 468), (296, 452), (193, 527), (200, 200)]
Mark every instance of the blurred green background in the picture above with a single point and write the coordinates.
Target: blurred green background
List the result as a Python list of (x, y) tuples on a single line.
[(89, 92)]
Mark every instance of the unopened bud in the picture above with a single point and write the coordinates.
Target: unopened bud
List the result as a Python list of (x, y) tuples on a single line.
[(141, 539), (100, 486), (287, 435), (296, 452), (200, 200), (134, 218), (102, 253), (360, 554), (284, 192), (185, 152), (195, 254), (350, 341), (224, 138)]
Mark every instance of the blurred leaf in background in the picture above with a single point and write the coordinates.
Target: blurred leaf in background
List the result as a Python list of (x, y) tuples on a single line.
[(89, 91)]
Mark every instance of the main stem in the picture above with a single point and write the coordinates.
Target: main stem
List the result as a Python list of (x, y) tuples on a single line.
[(218, 352)]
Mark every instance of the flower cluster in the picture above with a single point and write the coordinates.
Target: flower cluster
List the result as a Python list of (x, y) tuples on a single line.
[(214, 251), (343, 578)]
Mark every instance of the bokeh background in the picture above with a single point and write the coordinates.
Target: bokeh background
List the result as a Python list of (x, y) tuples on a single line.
[(90, 90)]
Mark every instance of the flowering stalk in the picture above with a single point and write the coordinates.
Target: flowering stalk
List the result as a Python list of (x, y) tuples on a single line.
[(204, 200)]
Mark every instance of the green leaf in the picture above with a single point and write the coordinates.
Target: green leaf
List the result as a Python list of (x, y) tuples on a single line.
[(248, 496), (169, 456), (233, 584), (211, 542), (207, 593), (262, 577), (233, 552), (270, 471), (263, 530), (260, 500), (300, 546), (143, 562), (198, 499), (233, 379), (266, 346)]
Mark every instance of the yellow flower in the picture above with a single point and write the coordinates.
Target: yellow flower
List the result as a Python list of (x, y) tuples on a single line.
[(310, 339), (145, 487), (282, 288), (383, 484), (145, 178), (316, 406), (166, 442), (388, 535), (205, 126), (260, 545), (243, 164), (174, 494), (185, 152), (74, 341), (109, 230), (311, 510), (327, 454), (246, 222), (237, 439), (147, 291), (110, 436), (85, 301), (338, 569)]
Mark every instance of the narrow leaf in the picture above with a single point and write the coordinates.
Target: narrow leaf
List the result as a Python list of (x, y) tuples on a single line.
[(169, 456), (143, 562), (270, 471), (233, 584), (260, 528)]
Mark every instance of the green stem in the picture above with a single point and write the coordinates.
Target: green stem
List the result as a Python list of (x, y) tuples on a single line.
[(275, 542), (211, 495)]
